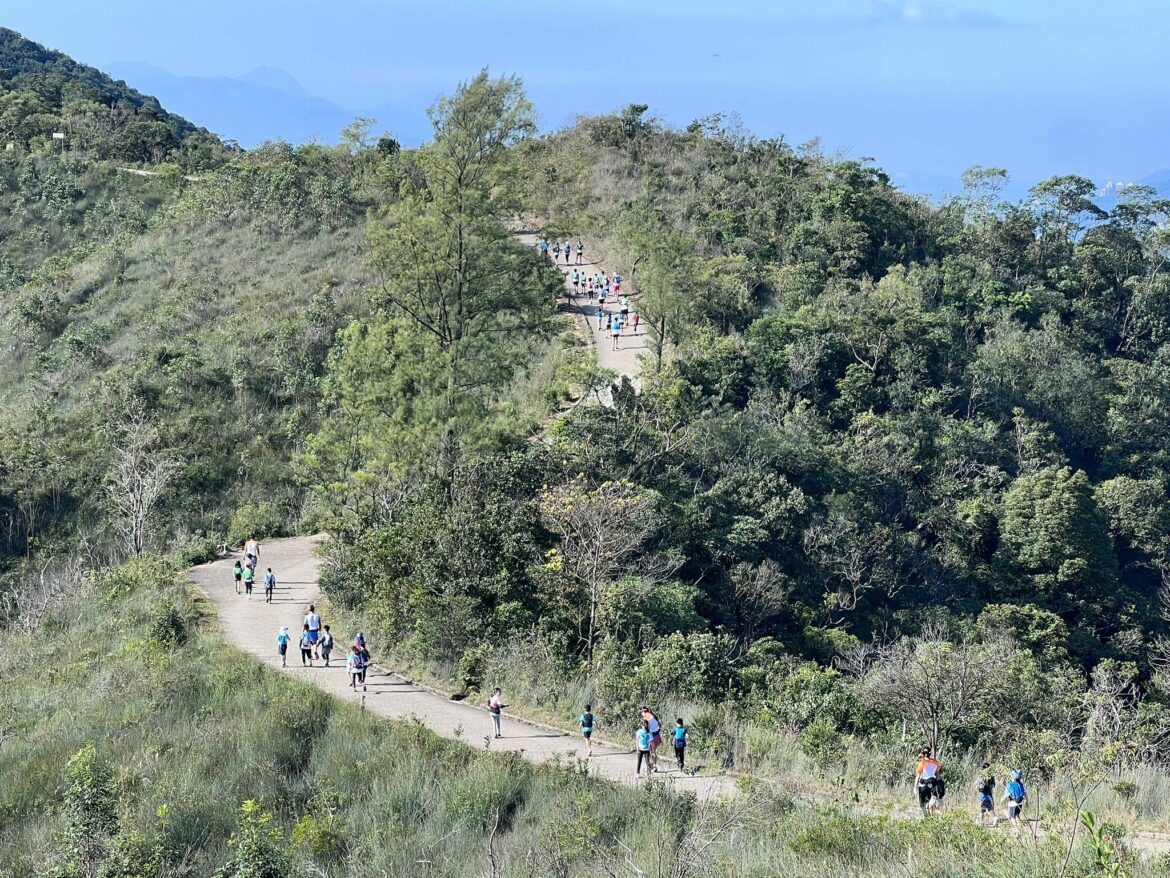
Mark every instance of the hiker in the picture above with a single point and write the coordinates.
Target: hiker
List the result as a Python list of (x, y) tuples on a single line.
[(543, 247), (928, 782), (1015, 794), (269, 585), (615, 330), (568, 251), (306, 647), (313, 626), (356, 662), (282, 640), (495, 705), (986, 788), (325, 644), (642, 739), (600, 318), (252, 551), (624, 301), (589, 290), (556, 251), (680, 743), (575, 277), (655, 727), (249, 578), (580, 252), (238, 573), (585, 721), (601, 296), (636, 320)]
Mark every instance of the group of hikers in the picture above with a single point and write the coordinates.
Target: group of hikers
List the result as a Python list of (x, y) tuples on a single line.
[(599, 286), (316, 644), (245, 572), (931, 789), (647, 739), (555, 249)]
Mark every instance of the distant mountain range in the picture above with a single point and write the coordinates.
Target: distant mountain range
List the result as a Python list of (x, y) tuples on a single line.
[(266, 103)]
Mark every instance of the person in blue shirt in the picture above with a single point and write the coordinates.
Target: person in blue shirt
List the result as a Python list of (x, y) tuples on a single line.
[(1015, 794), (680, 743), (642, 740), (986, 789), (586, 722), (282, 640), (600, 317)]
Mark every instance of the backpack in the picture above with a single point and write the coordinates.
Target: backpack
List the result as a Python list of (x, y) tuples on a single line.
[(587, 721)]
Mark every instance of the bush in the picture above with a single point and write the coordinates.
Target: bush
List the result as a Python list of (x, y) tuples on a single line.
[(255, 520), (169, 626)]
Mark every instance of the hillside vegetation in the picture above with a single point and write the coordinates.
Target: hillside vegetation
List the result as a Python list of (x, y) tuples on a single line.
[(896, 476)]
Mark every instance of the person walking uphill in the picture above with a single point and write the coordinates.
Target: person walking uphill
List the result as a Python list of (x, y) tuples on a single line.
[(680, 744), (642, 741), (585, 721), (313, 626), (238, 573), (495, 705), (269, 585), (928, 782)]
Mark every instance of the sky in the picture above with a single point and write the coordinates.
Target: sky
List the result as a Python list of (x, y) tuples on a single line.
[(926, 88)]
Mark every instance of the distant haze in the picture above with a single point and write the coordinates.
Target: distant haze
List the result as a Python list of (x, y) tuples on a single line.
[(925, 87)]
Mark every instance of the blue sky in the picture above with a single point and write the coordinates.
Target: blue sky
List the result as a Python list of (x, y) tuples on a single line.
[(926, 88)]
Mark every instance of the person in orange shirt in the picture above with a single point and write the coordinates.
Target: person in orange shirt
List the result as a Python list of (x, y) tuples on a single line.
[(928, 782)]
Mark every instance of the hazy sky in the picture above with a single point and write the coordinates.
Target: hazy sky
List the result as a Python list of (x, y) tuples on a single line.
[(926, 88)]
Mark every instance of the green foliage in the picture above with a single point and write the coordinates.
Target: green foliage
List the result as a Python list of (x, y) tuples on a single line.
[(256, 847), (260, 520)]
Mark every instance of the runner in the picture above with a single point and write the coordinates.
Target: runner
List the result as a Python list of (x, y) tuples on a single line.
[(642, 740), (601, 296), (568, 251), (636, 321), (986, 788), (325, 644), (495, 705), (615, 330), (249, 578), (252, 550), (624, 301), (556, 251), (238, 573), (313, 626), (1015, 794), (589, 290), (600, 317), (928, 783), (282, 640), (576, 278), (357, 660), (680, 743), (586, 722), (269, 585), (306, 647), (580, 252), (655, 727)]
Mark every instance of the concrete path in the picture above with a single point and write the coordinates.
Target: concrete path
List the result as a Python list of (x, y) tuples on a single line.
[(628, 358), (252, 626)]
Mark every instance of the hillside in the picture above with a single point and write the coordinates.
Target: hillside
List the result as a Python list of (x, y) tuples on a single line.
[(42, 91), (894, 476)]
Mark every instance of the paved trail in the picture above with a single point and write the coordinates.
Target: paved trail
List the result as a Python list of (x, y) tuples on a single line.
[(627, 359), (252, 626)]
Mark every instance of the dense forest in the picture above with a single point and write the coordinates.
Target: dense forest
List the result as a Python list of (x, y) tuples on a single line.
[(895, 474)]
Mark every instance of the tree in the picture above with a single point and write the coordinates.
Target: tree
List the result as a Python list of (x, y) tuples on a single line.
[(601, 529), (446, 261), (136, 481), (935, 685)]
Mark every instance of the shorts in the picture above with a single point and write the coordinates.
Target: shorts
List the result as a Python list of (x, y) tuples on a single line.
[(239, 576), (986, 804), (283, 649), (588, 733), (312, 637), (925, 792), (656, 741), (1014, 809)]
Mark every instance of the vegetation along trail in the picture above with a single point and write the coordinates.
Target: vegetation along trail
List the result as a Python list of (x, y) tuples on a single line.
[(252, 626)]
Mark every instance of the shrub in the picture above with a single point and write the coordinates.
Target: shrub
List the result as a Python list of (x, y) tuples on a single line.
[(256, 847), (168, 626), (255, 520)]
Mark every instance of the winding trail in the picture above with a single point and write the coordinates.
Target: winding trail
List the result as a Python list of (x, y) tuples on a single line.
[(627, 360), (252, 626)]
